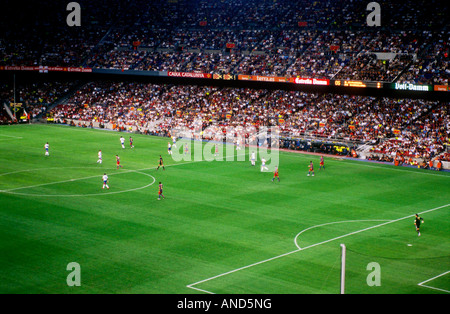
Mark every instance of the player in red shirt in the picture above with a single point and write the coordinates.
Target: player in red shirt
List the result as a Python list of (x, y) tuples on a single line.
[(160, 193), (311, 169), (131, 142), (322, 163), (118, 162), (275, 175)]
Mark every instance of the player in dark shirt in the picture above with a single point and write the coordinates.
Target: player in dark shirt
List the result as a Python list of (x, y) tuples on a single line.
[(417, 221), (161, 164)]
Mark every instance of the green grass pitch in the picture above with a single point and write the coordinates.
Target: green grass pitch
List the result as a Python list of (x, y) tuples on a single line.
[(224, 227)]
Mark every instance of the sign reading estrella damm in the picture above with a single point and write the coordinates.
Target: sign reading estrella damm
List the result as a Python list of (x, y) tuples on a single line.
[(412, 87)]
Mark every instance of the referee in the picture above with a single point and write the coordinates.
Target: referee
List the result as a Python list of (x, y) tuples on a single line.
[(417, 221)]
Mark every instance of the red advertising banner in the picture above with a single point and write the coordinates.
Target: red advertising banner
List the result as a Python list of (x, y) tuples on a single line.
[(83, 70), (189, 75), (310, 81), (44, 69), (441, 88), (263, 78)]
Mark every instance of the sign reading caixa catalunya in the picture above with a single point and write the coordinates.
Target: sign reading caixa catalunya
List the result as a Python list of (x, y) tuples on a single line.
[(189, 75)]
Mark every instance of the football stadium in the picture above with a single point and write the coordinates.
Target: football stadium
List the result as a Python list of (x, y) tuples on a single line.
[(231, 147)]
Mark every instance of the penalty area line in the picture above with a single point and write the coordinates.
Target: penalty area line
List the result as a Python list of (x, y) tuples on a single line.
[(191, 286), (64, 181), (12, 191), (431, 287)]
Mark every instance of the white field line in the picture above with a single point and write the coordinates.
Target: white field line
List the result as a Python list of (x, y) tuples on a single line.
[(37, 169), (7, 139), (330, 223), (307, 247), (11, 136), (82, 195), (58, 182), (77, 179), (11, 191), (434, 288)]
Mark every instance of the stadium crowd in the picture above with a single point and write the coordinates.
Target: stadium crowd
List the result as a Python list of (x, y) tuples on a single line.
[(34, 97), (405, 127), (321, 39)]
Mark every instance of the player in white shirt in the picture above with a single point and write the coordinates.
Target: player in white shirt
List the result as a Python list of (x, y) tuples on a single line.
[(169, 148), (174, 142), (263, 164), (253, 158), (105, 181), (46, 147), (99, 161), (122, 141), (238, 147)]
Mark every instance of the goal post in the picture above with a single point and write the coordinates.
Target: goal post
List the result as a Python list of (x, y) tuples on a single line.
[(343, 253)]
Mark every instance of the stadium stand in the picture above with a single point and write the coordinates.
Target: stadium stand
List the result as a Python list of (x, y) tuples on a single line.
[(396, 127), (271, 38)]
